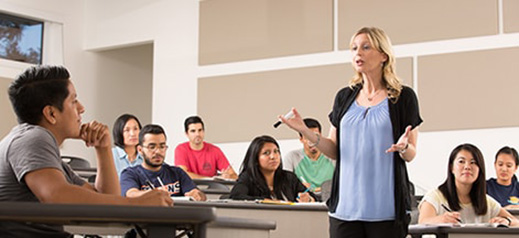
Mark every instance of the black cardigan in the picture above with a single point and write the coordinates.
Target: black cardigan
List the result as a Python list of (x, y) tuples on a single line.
[(403, 112), (248, 189)]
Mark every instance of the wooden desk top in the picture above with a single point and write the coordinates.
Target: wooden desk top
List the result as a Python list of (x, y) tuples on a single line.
[(253, 205), (81, 213)]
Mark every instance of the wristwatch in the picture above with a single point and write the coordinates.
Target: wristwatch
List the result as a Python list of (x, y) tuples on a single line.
[(405, 149)]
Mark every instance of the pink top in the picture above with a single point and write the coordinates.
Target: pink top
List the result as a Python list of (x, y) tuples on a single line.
[(205, 162)]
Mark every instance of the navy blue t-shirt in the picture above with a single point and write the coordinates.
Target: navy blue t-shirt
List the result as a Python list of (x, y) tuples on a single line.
[(174, 178), (502, 193)]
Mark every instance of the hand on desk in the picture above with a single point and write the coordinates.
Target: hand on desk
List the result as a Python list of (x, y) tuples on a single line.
[(155, 197), (450, 217), (196, 194), (228, 173), (501, 220), (305, 197)]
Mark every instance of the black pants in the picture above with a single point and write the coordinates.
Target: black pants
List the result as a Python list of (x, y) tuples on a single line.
[(361, 229)]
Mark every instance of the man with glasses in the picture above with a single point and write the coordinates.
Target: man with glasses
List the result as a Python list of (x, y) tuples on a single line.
[(153, 173)]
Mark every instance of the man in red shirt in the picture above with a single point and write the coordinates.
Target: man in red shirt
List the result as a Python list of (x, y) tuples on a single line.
[(198, 158)]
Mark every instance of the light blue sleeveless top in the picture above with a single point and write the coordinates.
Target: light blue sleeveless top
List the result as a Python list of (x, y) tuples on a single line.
[(366, 186)]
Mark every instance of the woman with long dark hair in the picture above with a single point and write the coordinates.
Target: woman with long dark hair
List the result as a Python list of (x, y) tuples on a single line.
[(462, 197), (263, 177)]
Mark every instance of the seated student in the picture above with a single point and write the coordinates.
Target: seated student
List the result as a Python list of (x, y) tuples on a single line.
[(462, 197), (126, 137), (310, 165), (31, 170), (198, 158), (153, 172), (505, 188), (262, 176)]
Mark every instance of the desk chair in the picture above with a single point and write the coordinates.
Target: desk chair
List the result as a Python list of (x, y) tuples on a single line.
[(79, 164), (76, 162), (326, 190)]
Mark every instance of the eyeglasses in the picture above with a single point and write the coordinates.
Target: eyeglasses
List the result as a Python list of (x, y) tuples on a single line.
[(153, 147)]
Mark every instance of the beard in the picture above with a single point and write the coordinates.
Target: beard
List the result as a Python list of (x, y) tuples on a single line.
[(148, 161)]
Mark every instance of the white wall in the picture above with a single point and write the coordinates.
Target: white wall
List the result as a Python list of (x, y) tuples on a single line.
[(172, 26)]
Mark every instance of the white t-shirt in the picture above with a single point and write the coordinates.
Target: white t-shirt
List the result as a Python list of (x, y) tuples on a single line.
[(467, 213)]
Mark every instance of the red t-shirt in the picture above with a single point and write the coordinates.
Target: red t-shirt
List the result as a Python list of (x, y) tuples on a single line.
[(205, 162)]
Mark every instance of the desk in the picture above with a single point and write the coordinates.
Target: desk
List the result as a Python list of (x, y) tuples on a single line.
[(463, 232), (222, 227), (158, 221), (514, 211), (214, 188), (308, 220)]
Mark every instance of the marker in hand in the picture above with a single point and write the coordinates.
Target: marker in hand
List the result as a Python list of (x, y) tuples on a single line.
[(289, 115)]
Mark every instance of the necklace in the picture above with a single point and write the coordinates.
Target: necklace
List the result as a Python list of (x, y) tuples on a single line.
[(372, 96)]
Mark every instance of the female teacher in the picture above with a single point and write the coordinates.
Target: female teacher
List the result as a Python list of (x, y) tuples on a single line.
[(374, 131)]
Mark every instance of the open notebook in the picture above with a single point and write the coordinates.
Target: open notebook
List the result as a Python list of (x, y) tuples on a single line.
[(462, 225)]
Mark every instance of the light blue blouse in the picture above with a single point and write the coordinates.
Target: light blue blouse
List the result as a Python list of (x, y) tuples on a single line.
[(366, 187), (121, 160)]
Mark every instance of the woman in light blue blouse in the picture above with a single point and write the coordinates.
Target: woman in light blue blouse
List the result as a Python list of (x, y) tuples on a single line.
[(126, 137), (373, 134)]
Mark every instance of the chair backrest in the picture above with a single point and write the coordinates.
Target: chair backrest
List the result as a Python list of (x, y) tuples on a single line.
[(326, 190), (76, 162)]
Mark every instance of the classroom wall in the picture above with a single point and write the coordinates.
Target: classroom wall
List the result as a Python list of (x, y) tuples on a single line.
[(109, 82), (462, 68), (172, 27), (206, 54)]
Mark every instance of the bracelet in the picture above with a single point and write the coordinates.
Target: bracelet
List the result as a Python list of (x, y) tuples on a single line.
[(317, 142), (508, 219), (405, 149)]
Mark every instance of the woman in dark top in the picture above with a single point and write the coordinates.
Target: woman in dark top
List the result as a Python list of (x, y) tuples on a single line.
[(373, 133), (505, 188), (262, 176)]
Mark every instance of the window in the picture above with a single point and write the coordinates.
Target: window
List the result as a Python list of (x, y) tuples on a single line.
[(20, 39)]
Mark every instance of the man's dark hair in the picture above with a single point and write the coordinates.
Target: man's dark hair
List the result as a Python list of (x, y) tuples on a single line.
[(150, 129), (36, 88), (311, 123), (118, 129), (192, 120)]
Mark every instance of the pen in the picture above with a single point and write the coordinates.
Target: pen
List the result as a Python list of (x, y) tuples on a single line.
[(160, 181), (306, 190), (302, 179), (449, 210), (150, 184)]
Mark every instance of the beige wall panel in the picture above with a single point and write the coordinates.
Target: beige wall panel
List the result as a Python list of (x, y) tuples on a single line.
[(511, 16), (404, 70), (469, 90), (238, 30), (408, 21), (128, 76), (241, 107), (6, 110)]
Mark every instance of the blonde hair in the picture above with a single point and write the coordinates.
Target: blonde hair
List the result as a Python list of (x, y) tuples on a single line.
[(380, 41)]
